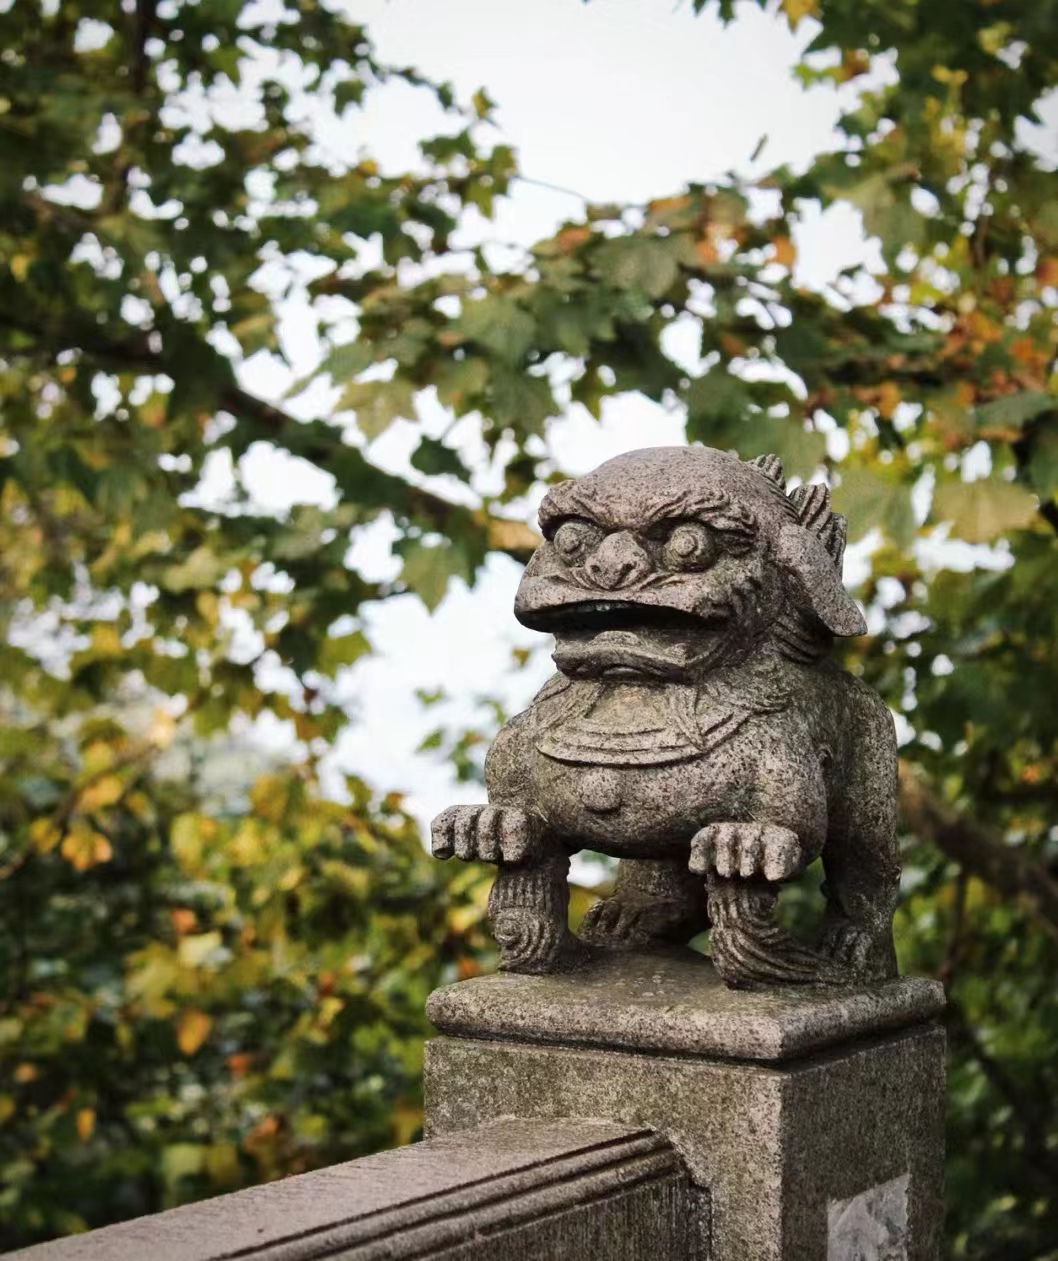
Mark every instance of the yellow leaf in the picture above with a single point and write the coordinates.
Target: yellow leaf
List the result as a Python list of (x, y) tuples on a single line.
[(268, 796), (208, 606), (106, 642), (354, 880), (152, 976), (291, 878), (97, 756), (511, 536), (189, 836), (83, 847), (661, 205), (570, 239), (707, 252), (463, 917), (955, 77), (193, 951), (19, 265), (183, 920), (138, 804), (965, 394), (795, 10), (673, 212), (25, 1072), (888, 397), (86, 1123), (248, 845), (222, 1164), (99, 793), (406, 1120), (329, 1010), (993, 39), (192, 1029), (7, 1107), (44, 835), (853, 63), (785, 251)]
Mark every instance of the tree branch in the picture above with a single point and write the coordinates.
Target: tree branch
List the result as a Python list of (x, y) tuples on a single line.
[(979, 850), (502, 534), (513, 538)]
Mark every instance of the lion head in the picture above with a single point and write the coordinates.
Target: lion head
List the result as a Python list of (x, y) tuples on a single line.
[(666, 562)]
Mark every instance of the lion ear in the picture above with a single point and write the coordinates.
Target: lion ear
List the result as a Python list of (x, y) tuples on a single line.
[(817, 580)]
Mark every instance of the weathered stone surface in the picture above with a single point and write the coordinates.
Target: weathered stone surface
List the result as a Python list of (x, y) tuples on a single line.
[(695, 729), (777, 1147), (674, 1002), (561, 1190)]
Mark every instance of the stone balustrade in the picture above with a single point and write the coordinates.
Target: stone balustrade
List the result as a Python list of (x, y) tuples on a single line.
[(565, 1190)]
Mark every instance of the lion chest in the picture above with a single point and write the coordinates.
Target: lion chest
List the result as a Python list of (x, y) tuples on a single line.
[(635, 771)]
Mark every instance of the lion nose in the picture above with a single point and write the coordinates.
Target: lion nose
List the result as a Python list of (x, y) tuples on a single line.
[(618, 561)]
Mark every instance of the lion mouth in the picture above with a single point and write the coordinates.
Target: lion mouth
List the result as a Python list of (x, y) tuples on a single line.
[(620, 639)]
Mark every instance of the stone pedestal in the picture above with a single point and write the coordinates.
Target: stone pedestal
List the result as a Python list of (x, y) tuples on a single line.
[(812, 1118)]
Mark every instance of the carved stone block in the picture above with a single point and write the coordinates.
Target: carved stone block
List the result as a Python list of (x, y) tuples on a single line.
[(814, 1139)]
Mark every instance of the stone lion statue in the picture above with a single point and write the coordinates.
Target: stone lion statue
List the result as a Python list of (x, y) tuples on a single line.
[(696, 729)]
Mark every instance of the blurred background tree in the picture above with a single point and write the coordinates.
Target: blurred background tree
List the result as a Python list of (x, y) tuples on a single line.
[(213, 969)]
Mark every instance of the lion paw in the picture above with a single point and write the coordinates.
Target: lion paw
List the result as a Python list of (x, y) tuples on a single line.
[(493, 834), (866, 952), (746, 850)]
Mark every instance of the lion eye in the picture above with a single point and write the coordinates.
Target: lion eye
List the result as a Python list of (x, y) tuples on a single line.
[(690, 546), (574, 537)]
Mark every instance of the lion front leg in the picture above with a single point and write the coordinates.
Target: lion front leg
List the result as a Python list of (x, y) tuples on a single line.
[(744, 862), (529, 902), (528, 909)]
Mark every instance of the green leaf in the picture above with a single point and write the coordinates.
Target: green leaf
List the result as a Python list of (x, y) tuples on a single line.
[(801, 450), (348, 360), (983, 510), (342, 650), (870, 500), (1015, 409), (521, 401), (378, 404), (500, 325), (1043, 462), (646, 266), (201, 569), (434, 458), (483, 103), (461, 382), (716, 404), (256, 332), (428, 567), (350, 92), (182, 1160)]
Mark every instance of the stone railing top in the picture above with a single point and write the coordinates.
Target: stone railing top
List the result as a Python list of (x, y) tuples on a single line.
[(551, 1190)]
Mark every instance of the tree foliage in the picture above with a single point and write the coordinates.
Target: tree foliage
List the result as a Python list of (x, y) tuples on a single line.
[(190, 977)]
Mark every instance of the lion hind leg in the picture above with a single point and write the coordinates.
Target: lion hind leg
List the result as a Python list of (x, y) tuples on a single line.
[(654, 902)]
